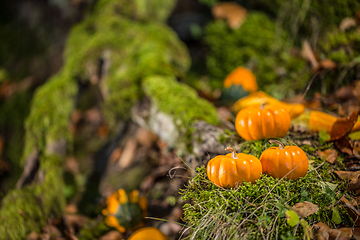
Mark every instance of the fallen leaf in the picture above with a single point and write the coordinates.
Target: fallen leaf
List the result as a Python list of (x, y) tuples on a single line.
[(103, 131), (71, 208), (33, 236), (328, 64), (308, 54), (145, 137), (356, 149), (292, 218), (112, 235), (115, 155), (307, 229), (344, 93), (355, 135), (354, 178), (74, 221), (52, 231), (324, 232), (356, 233), (349, 205), (335, 217), (343, 126), (347, 175), (234, 14), (344, 145), (305, 209), (347, 23), (330, 155), (128, 153)]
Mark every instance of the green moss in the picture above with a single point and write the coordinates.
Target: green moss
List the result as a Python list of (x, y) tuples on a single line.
[(258, 49), (50, 113), (20, 214), (179, 101), (53, 202), (94, 229), (341, 47)]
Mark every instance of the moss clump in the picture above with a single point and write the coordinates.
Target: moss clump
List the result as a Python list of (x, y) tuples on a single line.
[(20, 214), (50, 113), (179, 100), (180, 103), (341, 47), (258, 49), (256, 211), (94, 229)]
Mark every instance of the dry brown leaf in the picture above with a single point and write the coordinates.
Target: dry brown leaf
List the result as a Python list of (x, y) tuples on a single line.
[(115, 155), (347, 23), (343, 126), (74, 221), (145, 137), (328, 64), (103, 131), (324, 232), (304, 209), (356, 233), (330, 155), (356, 149), (71, 208), (353, 177), (72, 165), (112, 235), (349, 205), (347, 175), (344, 145), (234, 14), (128, 153), (308, 54), (344, 93), (33, 236), (52, 231)]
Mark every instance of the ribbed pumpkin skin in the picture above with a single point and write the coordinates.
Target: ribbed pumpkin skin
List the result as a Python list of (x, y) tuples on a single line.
[(148, 233), (254, 123), (278, 163), (225, 171)]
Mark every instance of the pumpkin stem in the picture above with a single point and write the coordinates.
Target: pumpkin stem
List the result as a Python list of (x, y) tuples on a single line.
[(262, 106), (234, 155), (281, 146)]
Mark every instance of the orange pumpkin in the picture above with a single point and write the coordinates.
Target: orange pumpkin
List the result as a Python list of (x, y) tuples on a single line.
[(148, 233), (231, 169), (257, 98), (243, 77), (260, 122), (289, 161)]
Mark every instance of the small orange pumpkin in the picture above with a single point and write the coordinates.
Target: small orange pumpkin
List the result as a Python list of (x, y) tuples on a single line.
[(231, 169), (289, 161), (243, 77), (148, 233), (260, 122)]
